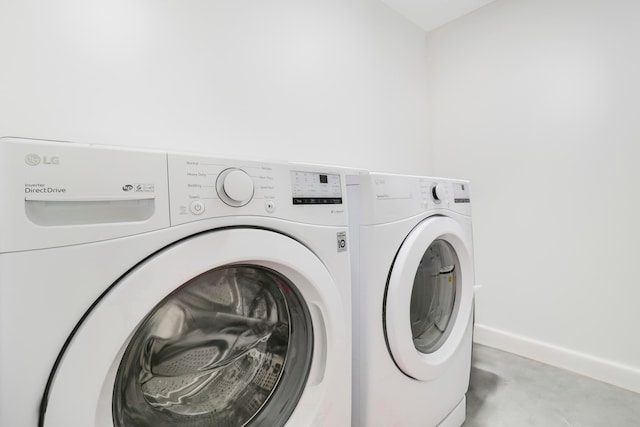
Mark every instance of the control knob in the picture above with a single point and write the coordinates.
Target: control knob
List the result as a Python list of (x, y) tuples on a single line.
[(235, 187), (439, 192)]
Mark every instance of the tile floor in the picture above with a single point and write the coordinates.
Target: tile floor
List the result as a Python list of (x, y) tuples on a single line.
[(510, 391)]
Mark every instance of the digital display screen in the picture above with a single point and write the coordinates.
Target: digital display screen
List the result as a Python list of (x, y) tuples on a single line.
[(311, 188), (461, 193)]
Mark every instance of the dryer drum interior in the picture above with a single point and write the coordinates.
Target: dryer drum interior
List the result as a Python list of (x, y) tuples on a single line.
[(231, 347), (433, 296)]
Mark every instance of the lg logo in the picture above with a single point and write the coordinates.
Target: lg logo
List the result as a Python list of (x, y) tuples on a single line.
[(34, 160)]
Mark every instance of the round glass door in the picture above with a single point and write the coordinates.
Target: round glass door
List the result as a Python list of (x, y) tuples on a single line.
[(433, 296), (429, 297), (217, 329), (215, 353)]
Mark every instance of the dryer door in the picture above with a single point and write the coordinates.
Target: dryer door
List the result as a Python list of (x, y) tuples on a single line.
[(227, 328), (429, 297)]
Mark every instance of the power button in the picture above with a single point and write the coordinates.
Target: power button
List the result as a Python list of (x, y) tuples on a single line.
[(270, 206), (197, 207)]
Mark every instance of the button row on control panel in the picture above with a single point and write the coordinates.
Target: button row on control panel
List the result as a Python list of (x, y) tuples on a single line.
[(197, 207)]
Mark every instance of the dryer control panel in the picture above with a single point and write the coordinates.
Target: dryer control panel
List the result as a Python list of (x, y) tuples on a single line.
[(388, 197)]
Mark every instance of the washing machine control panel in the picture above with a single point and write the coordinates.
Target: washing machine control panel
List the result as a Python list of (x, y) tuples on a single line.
[(203, 187), (58, 194)]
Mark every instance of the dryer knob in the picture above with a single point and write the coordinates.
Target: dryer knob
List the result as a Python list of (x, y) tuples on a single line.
[(235, 187), (439, 192)]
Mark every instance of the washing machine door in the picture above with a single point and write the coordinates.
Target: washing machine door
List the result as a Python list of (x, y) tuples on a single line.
[(429, 296), (227, 328)]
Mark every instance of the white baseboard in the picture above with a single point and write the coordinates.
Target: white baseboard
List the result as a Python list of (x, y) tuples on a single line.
[(623, 376)]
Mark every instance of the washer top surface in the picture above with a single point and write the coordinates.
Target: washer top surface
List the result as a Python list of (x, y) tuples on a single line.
[(59, 194)]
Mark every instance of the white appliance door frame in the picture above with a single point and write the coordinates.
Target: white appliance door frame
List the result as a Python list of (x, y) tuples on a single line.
[(418, 365), (81, 391)]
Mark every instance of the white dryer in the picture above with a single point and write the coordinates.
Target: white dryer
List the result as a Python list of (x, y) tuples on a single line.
[(412, 278), (142, 288)]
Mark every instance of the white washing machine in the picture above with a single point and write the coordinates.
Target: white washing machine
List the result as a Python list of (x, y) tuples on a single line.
[(142, 288), (412, 277)]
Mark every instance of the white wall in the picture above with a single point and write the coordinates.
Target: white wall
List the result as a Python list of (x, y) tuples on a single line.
[(327, 81), (538, 103)]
